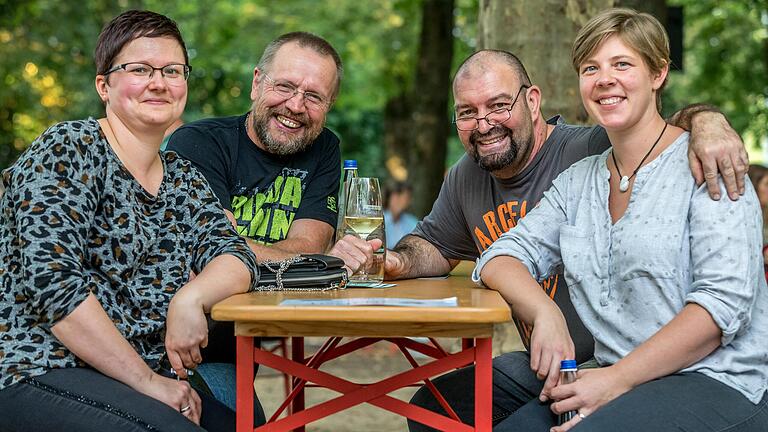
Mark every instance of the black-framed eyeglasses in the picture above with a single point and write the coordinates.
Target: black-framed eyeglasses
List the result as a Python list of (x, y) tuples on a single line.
[(287, 90), (174, 73), (493, 118)]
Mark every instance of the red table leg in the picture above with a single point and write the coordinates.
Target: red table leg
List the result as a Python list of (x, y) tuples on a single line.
[(467, 343), (297, 355), (483, 385), (244, 401), (373, 393), (354, 394)]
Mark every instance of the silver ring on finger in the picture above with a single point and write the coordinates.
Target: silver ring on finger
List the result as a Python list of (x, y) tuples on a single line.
[(185, 409), (582, 416)]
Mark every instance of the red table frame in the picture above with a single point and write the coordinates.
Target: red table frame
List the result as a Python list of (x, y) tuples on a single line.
[(306, 370), (262, 314)]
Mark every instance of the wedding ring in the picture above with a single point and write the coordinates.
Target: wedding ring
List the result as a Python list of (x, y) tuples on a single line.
[(184, 409), (582, 416)]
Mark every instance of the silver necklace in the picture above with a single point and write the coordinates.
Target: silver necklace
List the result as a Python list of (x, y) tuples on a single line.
[(624, 182)]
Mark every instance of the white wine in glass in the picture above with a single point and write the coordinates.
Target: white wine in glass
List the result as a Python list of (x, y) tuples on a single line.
[(365, 219)]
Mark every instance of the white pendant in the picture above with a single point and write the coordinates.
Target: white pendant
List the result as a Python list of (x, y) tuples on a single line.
[(624, 183)]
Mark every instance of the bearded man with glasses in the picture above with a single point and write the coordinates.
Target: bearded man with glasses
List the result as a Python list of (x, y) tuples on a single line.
[(275, 170)]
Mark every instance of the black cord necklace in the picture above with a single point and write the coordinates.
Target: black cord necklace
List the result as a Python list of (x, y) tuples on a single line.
[(624, 182)]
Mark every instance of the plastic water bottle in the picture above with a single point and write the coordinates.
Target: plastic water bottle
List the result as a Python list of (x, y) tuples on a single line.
[(350, 172), (568, 369)]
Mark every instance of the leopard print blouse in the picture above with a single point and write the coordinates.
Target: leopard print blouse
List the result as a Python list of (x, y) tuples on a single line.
[(74, 221)]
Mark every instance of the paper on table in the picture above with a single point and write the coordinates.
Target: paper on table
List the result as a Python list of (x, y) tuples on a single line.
[(441, 277), (364, 284), (373, 301)]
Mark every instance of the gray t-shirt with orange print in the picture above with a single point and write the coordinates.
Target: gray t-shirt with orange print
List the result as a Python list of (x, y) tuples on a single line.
[(474, 208)]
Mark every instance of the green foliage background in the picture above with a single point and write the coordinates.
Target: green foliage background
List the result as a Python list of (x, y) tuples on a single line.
[(726, 64), (47, 72)]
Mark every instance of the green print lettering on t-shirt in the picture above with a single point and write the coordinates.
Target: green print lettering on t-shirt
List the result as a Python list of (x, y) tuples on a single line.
[(266, 217)]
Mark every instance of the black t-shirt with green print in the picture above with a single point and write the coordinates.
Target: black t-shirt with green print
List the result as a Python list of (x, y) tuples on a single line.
[(266, 193)]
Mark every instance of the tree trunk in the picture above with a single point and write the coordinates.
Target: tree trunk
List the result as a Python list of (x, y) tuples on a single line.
[(657, 8), (9, 151), (398, 136), (429, 125), (541, 33)]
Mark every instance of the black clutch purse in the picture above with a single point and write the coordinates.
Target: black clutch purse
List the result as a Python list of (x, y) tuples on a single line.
[(312, 272)]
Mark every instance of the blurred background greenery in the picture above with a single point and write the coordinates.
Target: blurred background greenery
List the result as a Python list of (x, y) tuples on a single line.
[(398, 57)]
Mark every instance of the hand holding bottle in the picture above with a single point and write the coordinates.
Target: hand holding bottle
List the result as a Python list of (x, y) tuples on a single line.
[(593, 389)]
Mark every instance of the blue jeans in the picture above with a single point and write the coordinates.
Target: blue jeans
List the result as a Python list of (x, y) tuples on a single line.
[(84, 400), (221, 379), (514, 385), (218, 368)]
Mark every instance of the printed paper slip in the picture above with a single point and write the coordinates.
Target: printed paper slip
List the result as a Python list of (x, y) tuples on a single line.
[(373, 301), (363, 284)]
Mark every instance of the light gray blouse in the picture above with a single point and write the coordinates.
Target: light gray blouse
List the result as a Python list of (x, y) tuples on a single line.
[(673, 246)]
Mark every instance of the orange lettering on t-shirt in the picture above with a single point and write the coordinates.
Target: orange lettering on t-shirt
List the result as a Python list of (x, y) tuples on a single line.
[(524, 330), (503, 211), (512, 214), (493, 227), (550, 286), (482, 238)]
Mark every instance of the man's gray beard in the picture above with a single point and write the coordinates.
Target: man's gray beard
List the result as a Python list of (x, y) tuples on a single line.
[(497, 161), (292, 146)]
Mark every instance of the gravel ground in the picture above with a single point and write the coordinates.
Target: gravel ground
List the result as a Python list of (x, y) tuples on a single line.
[(367, 365)]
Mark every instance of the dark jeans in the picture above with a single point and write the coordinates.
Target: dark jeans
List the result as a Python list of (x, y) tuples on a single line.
[(514, 385), (79, 399), (689, 402)]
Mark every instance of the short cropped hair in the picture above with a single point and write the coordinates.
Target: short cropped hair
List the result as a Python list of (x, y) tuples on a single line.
[(640, 31), (481, 58), (304, 40), (129, 26)]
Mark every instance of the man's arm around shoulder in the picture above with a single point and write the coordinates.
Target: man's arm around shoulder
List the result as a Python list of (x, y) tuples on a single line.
[(714, 146)]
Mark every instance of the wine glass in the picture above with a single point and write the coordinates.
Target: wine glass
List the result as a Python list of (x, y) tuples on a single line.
[(364, 219)]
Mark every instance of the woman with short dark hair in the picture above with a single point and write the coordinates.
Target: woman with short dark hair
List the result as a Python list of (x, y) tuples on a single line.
[(99, 234)]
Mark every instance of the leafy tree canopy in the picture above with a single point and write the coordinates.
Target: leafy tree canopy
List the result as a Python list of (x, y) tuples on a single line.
[(726, 64), (47, 69)]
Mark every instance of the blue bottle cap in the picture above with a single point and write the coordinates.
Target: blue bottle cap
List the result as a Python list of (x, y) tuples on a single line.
[(350, 163), (568, 364)]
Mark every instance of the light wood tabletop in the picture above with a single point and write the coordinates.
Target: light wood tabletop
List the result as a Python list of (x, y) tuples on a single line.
[(477, 310)]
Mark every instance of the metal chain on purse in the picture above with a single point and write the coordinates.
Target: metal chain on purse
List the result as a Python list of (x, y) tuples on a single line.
[(282, 267)]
